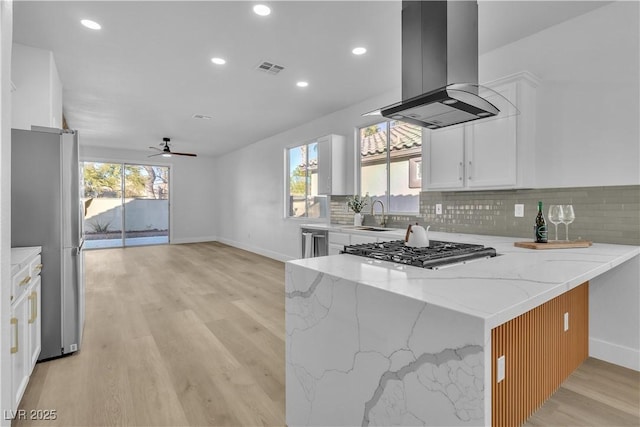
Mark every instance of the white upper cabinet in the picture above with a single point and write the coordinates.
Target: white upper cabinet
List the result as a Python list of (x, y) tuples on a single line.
[(37, 97), (490, 153), (332, 165), (445, 158)]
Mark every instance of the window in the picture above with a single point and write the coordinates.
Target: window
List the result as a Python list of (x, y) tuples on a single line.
[(391, 165), (302, 198)]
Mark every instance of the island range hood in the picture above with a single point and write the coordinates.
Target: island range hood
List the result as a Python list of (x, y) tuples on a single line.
[(440, 65)]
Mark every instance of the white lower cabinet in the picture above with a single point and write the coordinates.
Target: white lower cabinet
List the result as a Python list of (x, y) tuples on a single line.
[(20, 370), (358, 239), (338, 240), (35, 323), (25, 322)]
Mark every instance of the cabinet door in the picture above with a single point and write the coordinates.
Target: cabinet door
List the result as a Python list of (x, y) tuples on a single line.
[(339, 238), (491, 146), (19, 349), (334, 249), (35, 324), (332, 165), (324, 165), (357, 239), (444, 158)]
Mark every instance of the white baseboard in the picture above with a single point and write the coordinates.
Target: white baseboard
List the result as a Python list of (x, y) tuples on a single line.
[(198, 239), (615, 353), (260, 251)]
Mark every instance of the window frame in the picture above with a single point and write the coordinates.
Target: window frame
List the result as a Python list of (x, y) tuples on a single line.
[(358, 162), (287, 183)]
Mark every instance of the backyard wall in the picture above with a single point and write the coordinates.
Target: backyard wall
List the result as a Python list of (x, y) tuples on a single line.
[(140, 214)]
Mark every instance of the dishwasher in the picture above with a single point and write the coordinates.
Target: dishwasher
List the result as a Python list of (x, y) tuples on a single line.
[(314, 243)]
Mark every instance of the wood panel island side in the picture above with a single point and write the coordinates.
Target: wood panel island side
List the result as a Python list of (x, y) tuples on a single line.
[(375, 343)]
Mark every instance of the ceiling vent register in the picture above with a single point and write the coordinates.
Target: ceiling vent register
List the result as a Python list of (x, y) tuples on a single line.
[(269, 67)]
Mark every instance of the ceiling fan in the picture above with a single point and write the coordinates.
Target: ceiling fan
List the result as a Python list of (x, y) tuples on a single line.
[(166, 151)]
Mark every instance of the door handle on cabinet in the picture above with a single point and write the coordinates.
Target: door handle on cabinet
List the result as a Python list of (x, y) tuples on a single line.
[(460, 171), (24, 281), (470, 166), (14, 321), (32, 317), (38, 267)]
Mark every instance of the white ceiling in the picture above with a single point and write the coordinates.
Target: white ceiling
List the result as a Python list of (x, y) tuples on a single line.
[(148, 70)]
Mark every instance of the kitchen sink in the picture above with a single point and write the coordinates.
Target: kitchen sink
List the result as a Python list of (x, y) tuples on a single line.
[(366, 228)]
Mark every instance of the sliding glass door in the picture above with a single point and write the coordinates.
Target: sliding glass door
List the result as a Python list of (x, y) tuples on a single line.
[(125, 204), (146, 205)]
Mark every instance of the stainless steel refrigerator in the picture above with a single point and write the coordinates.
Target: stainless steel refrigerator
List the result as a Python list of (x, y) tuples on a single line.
[(47, 211)]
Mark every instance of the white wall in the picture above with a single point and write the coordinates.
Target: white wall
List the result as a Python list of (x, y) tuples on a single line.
[(588, 104), (251, 182), (6, 35), (193, 195), (614, 317), (38, 96)]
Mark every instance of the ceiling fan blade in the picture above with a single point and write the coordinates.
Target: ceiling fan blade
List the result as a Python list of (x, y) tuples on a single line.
[(153, 155), (183, 154), (155, 148)]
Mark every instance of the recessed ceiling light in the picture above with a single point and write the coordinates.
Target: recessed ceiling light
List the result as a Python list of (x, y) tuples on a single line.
[(91, 24), (261, 9), (218, 61), (359, 51), (483, 114), (449, 101), (302, 84)]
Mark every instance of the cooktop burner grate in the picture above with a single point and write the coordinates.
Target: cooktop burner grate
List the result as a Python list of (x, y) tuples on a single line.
[(436, 255)]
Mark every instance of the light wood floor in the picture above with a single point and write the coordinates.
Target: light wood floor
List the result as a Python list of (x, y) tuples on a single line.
[(194, 335)]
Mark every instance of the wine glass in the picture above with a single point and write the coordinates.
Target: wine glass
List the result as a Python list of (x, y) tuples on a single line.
[(567, 217), (555, 216)]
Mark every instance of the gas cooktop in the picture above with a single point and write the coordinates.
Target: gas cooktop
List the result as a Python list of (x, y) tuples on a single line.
[(437, 255)]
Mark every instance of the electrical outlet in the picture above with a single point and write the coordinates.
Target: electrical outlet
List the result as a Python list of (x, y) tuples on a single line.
[(73, 347), (501, 369), (438, 208), (519, 210), (566, 322)]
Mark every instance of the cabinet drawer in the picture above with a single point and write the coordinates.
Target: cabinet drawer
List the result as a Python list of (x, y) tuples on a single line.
[(334, 249), (339, 238), (20, 282), (35, 266), (358, 240)]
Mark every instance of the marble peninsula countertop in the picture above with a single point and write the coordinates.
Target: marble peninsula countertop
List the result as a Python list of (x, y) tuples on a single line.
[(496, 289)]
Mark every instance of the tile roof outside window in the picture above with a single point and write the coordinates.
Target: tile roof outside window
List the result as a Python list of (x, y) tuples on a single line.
[(403, 136)]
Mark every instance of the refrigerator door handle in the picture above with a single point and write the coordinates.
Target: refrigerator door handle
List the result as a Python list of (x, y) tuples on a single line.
[(77, 251)]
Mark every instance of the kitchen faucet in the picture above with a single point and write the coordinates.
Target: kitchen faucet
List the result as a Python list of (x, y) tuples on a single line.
[(383, 223)]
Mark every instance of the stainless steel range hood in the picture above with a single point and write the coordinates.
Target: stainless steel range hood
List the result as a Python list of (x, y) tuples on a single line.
[(440, 65)]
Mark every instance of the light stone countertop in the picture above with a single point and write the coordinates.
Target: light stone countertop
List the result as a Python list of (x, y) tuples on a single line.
[(496, 289), (21, 256)]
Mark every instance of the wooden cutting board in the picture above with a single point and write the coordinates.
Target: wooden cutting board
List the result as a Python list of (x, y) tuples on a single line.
[(554, 244)]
